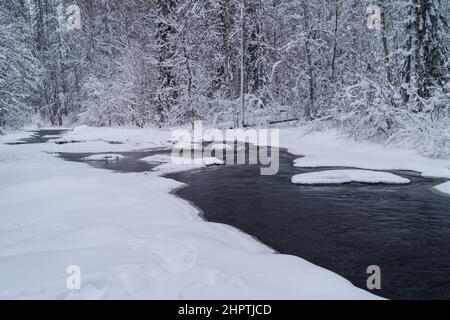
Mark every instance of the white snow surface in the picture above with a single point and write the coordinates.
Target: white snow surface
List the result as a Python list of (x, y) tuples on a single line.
[(130, 236), (327, 149), (98, 140), (158, 158), (172, 164), (14, 136), (444, 188), (347, 176)]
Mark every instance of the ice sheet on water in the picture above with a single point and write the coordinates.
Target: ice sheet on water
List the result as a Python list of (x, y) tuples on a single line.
[(444, 188), (347, 176), (172, 164)]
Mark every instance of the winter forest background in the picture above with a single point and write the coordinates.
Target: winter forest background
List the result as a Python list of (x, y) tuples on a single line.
[(171, 62)]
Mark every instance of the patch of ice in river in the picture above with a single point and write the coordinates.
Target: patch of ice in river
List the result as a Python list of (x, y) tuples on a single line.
[(158, 158), (347, 176), (330, 149), (444, 188), (104, 157), (172, 164), (207, 161)]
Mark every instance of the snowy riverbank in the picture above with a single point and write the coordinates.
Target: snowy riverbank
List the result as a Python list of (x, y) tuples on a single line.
[(133, 239)]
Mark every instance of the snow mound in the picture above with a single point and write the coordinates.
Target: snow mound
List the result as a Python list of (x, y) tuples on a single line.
[(159, 158), (80, 129), (165, 158), (172, 164), (209, 161), (329, 149), (92, 139), (347, 176), (204, 161), (104, 157), (444, 188)]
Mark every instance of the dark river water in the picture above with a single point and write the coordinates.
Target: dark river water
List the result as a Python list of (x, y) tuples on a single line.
[(404, 229), (40, 136)]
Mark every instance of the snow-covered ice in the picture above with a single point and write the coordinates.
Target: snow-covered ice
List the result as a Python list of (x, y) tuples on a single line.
[(207, 161), (347, 176), (444, 188), (172, 164), (104, 157), (98, 140), (158, 158), (327, 149)]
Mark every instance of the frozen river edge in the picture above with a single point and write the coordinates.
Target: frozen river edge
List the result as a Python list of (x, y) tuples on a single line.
[(159, 249)]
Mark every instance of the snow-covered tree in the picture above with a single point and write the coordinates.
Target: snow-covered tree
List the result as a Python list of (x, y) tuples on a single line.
[(425, 62), (171, 62), (19, 69)]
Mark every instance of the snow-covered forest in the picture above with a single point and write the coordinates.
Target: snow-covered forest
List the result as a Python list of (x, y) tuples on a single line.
[(126, 171), (374, 69)]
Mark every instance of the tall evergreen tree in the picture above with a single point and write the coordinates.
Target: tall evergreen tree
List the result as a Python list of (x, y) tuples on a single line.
[(425, 60), (168, 94)]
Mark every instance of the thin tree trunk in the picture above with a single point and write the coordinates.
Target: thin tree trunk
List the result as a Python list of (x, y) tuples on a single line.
[(243, 62), (336, 24), (387, 62)]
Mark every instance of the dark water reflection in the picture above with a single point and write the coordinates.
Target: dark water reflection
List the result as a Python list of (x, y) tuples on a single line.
[(345, 228), (130, 163), (404, 229)]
